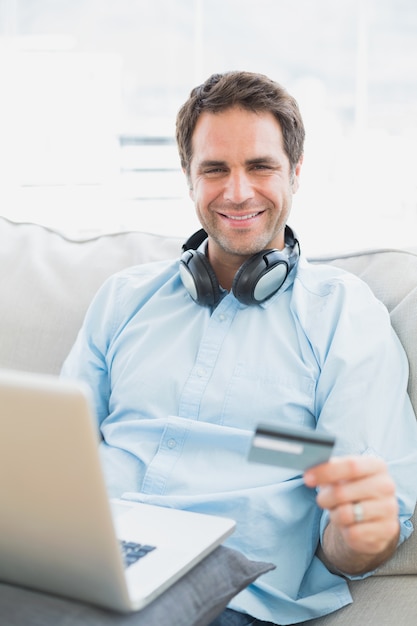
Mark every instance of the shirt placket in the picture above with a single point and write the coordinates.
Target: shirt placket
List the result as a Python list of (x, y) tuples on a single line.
[(207, 356), (174, 436)]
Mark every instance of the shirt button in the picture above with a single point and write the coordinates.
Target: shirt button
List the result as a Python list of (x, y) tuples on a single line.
[(201, 372), (222, 317), (171, 443)]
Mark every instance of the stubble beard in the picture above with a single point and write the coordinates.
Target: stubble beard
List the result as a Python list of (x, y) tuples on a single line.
[(241, 243)]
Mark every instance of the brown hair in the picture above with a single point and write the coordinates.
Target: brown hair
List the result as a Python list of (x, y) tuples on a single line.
[(246, 90)]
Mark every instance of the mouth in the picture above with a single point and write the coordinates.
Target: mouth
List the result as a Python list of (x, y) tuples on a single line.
[(241, 218)]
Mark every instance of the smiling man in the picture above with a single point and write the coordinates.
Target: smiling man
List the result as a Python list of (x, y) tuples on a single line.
[(246, 331)]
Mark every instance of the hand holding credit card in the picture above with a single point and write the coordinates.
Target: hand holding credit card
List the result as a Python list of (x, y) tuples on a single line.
[(292, 448)]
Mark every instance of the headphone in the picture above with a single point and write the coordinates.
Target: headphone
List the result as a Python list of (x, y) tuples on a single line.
[(259, 277)]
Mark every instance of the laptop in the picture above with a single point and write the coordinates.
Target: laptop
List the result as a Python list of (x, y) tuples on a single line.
[(59, 533)]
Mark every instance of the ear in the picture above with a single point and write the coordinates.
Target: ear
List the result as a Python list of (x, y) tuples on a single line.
[(296, 175)]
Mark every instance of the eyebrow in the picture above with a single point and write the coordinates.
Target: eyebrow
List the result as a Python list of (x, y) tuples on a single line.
[(259, 160), (211, 163), (254, 161)]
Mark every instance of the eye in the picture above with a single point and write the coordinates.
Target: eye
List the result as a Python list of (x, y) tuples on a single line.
[(212, 172), (262, 168)]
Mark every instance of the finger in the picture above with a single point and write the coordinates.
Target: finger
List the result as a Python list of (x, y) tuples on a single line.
[(364, 512), (343, 469), (370, 487)]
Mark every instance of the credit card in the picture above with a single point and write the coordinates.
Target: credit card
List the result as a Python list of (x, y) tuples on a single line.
[(292, 448)]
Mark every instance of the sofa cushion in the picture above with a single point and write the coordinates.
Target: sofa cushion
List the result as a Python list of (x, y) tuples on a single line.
[(195, 600), (47, 282), (381, 601)]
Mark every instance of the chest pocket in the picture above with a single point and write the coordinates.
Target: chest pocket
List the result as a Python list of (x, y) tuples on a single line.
[(258, 395)]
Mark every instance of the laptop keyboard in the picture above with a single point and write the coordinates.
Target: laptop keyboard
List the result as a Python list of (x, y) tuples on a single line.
[(132, 551)]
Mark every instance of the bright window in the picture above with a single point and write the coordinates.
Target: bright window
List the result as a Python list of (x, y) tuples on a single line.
[(90, 91)]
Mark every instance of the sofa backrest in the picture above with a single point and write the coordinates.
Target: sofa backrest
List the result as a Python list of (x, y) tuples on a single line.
[(47, 282), (392, 276)]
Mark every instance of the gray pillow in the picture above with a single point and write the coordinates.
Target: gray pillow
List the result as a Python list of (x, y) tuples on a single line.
[(195, 600)]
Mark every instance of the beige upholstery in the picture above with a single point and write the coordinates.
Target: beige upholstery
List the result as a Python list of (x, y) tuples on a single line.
[(47, 282), (392, 275)]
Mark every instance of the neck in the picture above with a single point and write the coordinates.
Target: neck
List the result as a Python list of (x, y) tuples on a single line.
[(226, 268)]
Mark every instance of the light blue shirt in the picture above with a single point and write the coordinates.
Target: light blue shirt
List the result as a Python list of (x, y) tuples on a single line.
[(179, 389)]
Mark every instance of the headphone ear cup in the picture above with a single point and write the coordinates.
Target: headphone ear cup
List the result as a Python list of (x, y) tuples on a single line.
[(199, 279), (260, 277)]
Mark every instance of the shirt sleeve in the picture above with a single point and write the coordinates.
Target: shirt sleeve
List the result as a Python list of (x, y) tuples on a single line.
[(361, 394), (87, 358)]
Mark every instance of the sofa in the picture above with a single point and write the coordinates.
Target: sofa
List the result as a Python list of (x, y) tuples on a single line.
[(47, 282)]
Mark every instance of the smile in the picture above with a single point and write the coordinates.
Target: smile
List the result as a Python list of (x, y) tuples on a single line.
[(240, 218)]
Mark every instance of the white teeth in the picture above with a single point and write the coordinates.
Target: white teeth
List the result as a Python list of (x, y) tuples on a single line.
[(242, 217)]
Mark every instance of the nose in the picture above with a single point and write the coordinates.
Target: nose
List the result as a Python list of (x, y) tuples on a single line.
[(238, 188)]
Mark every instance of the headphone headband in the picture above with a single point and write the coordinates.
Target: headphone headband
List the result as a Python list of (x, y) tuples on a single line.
[(195, 240)]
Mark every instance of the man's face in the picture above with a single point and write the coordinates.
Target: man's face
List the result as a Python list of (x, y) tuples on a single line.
[(241, 182)]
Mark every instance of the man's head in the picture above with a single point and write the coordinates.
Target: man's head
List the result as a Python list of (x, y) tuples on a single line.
[(251, 91)]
